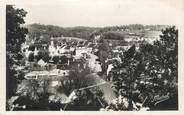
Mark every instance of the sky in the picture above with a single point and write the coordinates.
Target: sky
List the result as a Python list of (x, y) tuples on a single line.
[(100, 13)]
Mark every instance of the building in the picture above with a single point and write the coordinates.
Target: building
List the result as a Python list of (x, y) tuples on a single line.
[(52, 49), (60, 50), (82, 50), (53, 74)]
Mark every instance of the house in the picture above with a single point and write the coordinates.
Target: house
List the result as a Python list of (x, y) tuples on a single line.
[(57, 50), (82, 50), (59, 72), (42, 63), (36, 74), (122, 47), (55, 73)]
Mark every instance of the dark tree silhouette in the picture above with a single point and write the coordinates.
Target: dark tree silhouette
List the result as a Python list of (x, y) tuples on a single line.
[(31, 57), (15, 36), (152, 71)]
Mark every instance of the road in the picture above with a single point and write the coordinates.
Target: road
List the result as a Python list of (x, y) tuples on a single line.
[(97, 80), (105, 87)]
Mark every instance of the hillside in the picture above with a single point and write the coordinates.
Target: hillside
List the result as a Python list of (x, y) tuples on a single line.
[(37, 30), (111, 33)]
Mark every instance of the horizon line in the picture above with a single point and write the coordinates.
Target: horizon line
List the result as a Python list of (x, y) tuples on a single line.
[(100, 26)]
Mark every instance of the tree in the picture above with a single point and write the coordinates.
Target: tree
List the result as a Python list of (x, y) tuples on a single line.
[(80, 78), (151, 71), (43, 55), (56, 59), (63, 59), (167, 71), (31, 57), (29, 88), (103, 52), (77, 79), (31, 48), (15, 33), (88, 99), (113, 36), (15, 36), (34, 94)]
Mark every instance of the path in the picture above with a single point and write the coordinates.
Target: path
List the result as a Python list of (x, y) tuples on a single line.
[(105, 87)]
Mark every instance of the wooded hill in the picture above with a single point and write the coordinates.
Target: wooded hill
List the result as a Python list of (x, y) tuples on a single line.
[(113, 32)]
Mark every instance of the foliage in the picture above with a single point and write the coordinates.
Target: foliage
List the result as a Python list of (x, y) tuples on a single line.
[(29, 88), (150, 71), (31, 57), (44, 55), (88, 99), (31, 48), (63, 59), (55, 59), (36, 30), (15, 33), (77, 79), (15, 36), (33, 93), (88, 33), (113, 35), (103, 52)]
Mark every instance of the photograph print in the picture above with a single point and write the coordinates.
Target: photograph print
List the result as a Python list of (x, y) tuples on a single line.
[(81, 56)]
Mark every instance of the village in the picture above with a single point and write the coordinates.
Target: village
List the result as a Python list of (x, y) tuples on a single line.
[(120, 67), (54, 61)]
